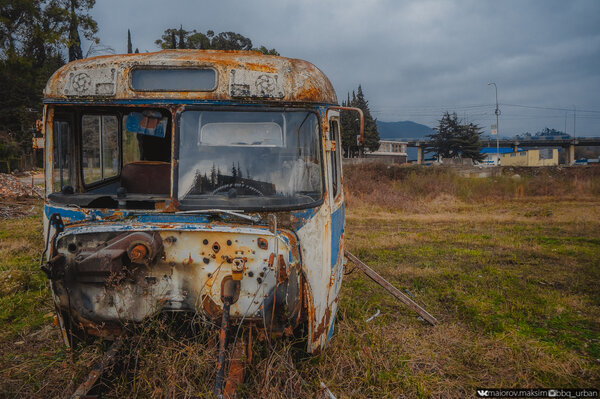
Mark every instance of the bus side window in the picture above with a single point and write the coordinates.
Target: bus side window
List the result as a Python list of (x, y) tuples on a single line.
[(62, 155), (100, 155), (334, 165)]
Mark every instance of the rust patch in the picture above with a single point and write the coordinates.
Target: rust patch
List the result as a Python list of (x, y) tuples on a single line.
[(322, 327), (271, 260), (253, 66), (173, 205), (237, 366), (282, 274), (189, 260), (262, 243), (211, 308)]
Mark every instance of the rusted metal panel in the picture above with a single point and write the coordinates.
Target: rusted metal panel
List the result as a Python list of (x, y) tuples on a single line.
[(315, 263), (241, 74), (189, 273)]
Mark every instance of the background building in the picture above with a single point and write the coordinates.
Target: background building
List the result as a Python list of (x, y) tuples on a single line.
[(390, 151), (533, 157)]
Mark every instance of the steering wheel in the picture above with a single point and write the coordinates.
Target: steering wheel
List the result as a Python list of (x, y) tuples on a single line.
[(237, 185)]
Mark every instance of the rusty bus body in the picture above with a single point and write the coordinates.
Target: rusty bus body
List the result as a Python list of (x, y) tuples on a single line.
[(200, 181)]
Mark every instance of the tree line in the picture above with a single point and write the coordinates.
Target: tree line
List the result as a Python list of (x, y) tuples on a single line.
[(34, 36), (179, 38)]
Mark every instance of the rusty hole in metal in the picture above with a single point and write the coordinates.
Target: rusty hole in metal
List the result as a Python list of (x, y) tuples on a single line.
[(72, 247), (206, 260), (263, 244), (205, 242), (227, 287), (259, 280), (228, 242), (250, 274), (216, 247)]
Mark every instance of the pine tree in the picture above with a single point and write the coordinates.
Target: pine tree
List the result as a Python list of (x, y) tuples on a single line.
[(182, 35), (454, 139), (129, 44), (213, 175)]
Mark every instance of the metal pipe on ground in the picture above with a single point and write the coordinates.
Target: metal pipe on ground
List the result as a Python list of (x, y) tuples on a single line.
[(373, 275)]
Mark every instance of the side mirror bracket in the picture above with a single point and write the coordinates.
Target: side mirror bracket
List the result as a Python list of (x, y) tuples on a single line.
[(360, 138)]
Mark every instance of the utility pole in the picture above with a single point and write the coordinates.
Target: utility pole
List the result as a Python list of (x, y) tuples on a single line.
[(497, 112)]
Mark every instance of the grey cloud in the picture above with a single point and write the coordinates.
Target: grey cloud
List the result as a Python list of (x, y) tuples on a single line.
[(413, 58)]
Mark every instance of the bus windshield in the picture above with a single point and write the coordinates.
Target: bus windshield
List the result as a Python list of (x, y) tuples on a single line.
[(249, 160)]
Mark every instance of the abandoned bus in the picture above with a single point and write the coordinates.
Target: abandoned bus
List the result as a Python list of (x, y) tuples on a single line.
[(190, 180)]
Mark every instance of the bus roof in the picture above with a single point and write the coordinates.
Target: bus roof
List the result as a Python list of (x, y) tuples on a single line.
[(238, 75)]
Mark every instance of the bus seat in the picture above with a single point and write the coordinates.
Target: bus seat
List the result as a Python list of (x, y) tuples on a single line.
[(147, 177)]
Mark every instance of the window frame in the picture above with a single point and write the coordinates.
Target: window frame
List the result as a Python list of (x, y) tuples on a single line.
[(335, 160), (68, 119), (250, 108), (171, 68), (82, 113)]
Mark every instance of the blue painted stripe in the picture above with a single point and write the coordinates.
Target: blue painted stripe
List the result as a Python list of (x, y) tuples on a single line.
[(337, 229), (331, 328)]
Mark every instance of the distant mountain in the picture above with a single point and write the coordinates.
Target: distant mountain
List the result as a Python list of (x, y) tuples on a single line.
[(404, 129)]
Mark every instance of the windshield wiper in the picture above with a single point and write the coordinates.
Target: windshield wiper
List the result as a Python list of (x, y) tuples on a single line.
[(238, 213)]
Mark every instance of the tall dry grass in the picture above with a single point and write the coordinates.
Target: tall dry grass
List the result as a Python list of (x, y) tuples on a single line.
[(423, 189)]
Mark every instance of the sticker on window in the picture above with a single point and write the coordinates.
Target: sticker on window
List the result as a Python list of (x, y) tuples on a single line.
[(149, 123)]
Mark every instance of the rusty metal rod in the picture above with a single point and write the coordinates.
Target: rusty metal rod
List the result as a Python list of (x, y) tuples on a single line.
[(373, 275), (107, 360), (218, 388)]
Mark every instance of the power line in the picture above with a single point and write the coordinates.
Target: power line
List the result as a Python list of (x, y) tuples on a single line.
[(548, 108)]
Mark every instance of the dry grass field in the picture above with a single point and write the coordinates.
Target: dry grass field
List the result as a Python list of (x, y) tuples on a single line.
[(509, 266)]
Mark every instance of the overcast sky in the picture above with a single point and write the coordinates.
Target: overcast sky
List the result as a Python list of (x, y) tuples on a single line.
[(414, 59)]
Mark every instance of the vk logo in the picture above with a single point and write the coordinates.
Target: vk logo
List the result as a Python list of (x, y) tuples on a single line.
[(481, 393)]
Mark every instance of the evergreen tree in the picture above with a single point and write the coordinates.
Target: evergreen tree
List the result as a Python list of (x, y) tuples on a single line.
[(350, 124), (129, 44), (182, 35), (213, 175), (455, 139)]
